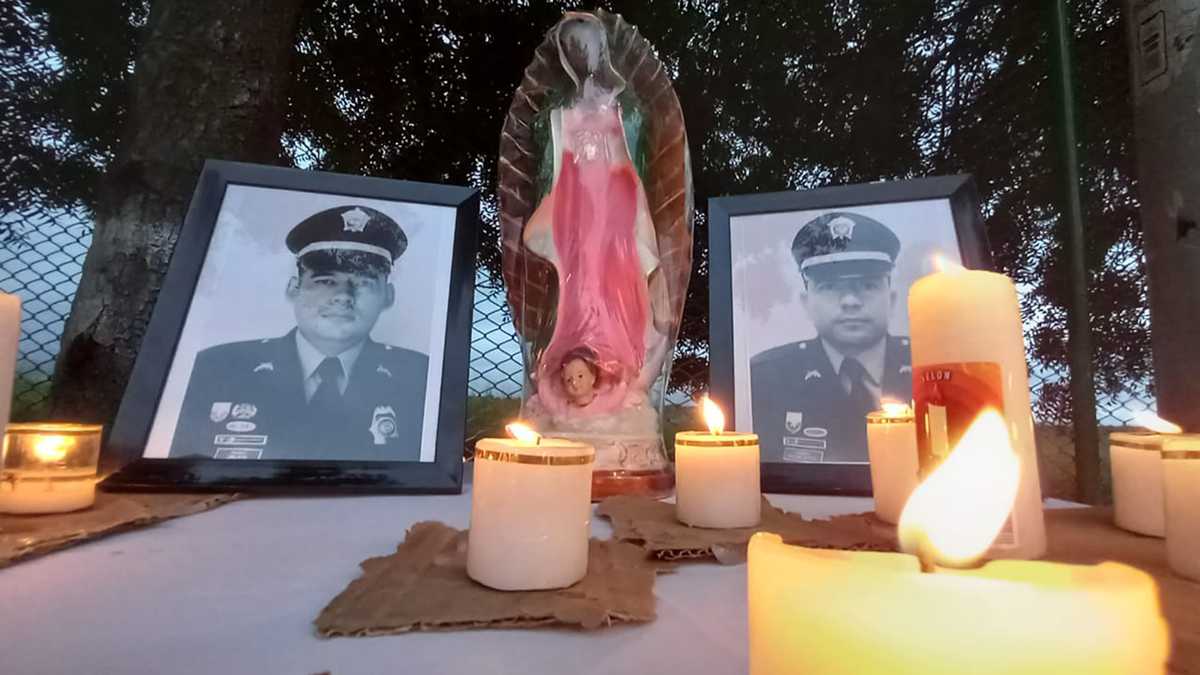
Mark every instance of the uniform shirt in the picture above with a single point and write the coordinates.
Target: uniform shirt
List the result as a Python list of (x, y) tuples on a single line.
[(801, 410), (311, 359), (872, 361), (249, 400)]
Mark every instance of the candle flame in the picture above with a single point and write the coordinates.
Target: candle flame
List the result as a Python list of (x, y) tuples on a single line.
[(523, 432), (1155, 423), (895, 409), (955, 515), (713, 417), (51, 448)]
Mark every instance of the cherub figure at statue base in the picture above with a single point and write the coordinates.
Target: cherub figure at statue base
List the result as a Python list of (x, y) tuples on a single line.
[(630, 457)]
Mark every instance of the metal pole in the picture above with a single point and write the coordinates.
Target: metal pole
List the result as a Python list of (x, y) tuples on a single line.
[(1083, 389)]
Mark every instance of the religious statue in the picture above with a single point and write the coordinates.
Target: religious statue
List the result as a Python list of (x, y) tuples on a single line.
[(596, 213)]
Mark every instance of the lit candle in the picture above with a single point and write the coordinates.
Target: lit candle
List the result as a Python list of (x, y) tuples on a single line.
[(892, 448), (716, 475), (1137, 475), (10, 337), (1181, 492), (815, 611), (48, 468), (531, 508), (968, 354)]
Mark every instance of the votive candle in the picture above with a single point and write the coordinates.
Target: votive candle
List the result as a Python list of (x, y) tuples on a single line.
[(531, 507), (48, 467)]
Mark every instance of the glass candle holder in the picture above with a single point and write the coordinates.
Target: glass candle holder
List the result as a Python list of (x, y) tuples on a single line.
[(48, 467), (1181, 492)]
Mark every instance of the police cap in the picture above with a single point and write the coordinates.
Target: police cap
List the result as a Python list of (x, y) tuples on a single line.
[(841, 244), (360, 229)]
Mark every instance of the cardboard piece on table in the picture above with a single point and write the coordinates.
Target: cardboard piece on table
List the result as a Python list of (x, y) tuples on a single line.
[(652, 525), (1088, 536), (26, 536), (424, 586)]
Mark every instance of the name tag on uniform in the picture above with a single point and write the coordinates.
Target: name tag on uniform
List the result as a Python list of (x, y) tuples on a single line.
[(238, 453), (239, 439), (803, 456), (802, 442)]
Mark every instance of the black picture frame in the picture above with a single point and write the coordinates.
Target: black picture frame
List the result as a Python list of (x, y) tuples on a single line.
[(723, 212), (125, 445)]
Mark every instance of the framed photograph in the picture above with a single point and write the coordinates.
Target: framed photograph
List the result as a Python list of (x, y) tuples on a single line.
[(809, 315), (313, 332)]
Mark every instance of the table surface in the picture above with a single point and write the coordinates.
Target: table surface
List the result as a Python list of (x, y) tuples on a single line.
[(236, 589)]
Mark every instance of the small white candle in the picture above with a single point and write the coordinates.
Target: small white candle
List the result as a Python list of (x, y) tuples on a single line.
[(717, 475), (1181, 491), (892, 448), (48, 468), (968, 353), (531, 508), (10, 338)]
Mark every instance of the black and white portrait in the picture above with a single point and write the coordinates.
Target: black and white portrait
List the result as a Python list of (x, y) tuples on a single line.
[(821, 324), (315, 332)]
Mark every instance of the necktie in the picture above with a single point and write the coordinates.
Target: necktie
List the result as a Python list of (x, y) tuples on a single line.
[(327, 399), (862, 401)]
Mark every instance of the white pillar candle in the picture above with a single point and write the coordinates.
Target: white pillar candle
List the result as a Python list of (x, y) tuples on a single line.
[(1137, 477), (716, 475), (48, 468), (968, 354), (10, 338), (1181, 492), (531, 507), (892, 448), (716, 479)]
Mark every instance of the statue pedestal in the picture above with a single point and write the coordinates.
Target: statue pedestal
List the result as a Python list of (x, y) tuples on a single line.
[(627, 464), (654, 484)]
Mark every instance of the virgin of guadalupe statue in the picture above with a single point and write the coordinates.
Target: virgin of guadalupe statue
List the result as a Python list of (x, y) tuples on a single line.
[(596, 212)]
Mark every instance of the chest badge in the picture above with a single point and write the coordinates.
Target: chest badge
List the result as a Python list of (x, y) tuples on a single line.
[(383, 424), (244, 411), (812, 374), (794, 422), (265, 365), (219, 411)]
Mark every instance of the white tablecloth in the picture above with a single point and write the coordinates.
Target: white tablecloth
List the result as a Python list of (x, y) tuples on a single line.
[(235, 590)]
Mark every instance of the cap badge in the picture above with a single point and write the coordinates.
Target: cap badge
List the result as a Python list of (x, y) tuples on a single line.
[(812, 374), (355, 220), (841, 228)]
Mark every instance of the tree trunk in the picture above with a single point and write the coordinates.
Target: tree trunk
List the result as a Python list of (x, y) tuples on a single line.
[(1166, 92), (210, 83)]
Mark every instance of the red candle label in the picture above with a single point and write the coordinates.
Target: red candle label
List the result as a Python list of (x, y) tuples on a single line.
[(947, 397)]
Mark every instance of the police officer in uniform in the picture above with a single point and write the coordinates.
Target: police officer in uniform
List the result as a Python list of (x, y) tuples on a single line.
[(810, 398), (325, 390)]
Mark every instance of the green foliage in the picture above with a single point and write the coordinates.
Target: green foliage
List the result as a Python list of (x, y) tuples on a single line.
[(776, 95)]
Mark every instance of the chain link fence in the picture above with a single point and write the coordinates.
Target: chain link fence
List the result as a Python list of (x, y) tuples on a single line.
[(41, 261)]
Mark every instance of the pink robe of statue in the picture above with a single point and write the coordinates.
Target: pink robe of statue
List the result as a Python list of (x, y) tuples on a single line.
[(602, 245)]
